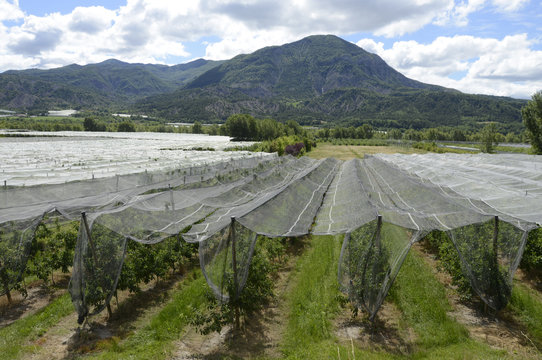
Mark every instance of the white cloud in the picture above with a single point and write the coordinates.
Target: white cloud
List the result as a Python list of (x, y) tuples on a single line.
[(498, 67), (9, 10), (509, 5), (153, 30), (91, 19)]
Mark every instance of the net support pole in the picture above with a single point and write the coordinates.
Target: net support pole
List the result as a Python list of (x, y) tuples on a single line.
[(5, 283), (87, 229), (93, 251), (378, 229), (496, 242), (234, 265), (171, 197), (378, 253)]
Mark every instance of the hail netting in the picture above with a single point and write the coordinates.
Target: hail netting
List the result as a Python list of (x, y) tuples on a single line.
[(510, 184), (382, 204), (383, 211), (280, 204), (15, 244), (96, 267), (155, 214)]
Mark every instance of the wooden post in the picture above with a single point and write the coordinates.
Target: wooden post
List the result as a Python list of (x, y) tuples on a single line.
[(87, 229), (496, 242), (5, 184), (378, 229), (93, 252), (171, 197), (234, 265), (5, 282)]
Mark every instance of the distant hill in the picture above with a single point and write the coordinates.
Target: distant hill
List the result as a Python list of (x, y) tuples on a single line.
[(324, 79), (317, 80), (111, 83)]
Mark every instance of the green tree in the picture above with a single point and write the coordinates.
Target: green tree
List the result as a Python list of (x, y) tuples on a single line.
[(395, 134), (89, 124), (532, 118), (126, 126), (489, 138), (197, 128)]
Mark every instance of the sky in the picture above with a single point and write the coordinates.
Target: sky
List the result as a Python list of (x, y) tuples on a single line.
[(476, 46)]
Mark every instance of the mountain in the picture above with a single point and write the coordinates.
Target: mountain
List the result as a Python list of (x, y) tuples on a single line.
[(111, 83), (317, 80), (324, 79)]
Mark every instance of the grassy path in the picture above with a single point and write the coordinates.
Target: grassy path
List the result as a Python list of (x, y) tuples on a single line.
[(526, 305), (423, 302), (14, 338), (155, 340), (314, 302)]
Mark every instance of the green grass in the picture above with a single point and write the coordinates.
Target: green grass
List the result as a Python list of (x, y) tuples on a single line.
[(14, 337), (155, 340), (423, 302), (526, 304), (314, 302)]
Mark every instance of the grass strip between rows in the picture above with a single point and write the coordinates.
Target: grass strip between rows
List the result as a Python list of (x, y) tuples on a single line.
[(423, 302), (156, 339), (314, 302), (526, 304), (14, 336)]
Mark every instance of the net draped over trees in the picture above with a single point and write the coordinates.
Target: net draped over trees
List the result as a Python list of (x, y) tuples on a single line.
[(382, 204)]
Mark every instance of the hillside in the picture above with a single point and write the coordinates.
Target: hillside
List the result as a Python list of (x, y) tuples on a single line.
[(324, 79), (317, 80), (111, 83)]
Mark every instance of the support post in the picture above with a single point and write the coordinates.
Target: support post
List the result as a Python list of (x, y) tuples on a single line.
[(5, 282), (235, 283), (171, 197), (5, 184), (378, 229), (87, 229), (496, 242), (93, 252), (117, 183)]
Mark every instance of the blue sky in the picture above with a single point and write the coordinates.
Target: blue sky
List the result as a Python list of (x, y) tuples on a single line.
[(476, 46)]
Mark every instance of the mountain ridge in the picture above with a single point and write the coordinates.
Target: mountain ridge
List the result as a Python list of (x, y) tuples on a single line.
[(317, 80), (110, 82), (323, 79)]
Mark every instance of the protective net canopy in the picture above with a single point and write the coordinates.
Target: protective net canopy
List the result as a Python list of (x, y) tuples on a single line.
[(383, 204)]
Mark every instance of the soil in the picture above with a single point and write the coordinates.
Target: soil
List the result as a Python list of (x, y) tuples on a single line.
[(38, 297), (500, 331), (384, 334), (67, 340), (261, 336)]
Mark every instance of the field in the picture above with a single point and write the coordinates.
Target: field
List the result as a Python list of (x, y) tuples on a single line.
[(346, 152), (82, 155), (426, 314)]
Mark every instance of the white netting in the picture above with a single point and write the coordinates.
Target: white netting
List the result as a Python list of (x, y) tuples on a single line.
[(383, 204)]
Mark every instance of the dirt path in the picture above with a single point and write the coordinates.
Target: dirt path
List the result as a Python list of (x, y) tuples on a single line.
[(67, 340), (499, 331), (384, 335), (260, 337), (38, 297)]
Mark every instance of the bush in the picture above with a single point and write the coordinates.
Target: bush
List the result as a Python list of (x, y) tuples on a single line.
[(258, 290), (440, 244), (295, 149), (532, 256)]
